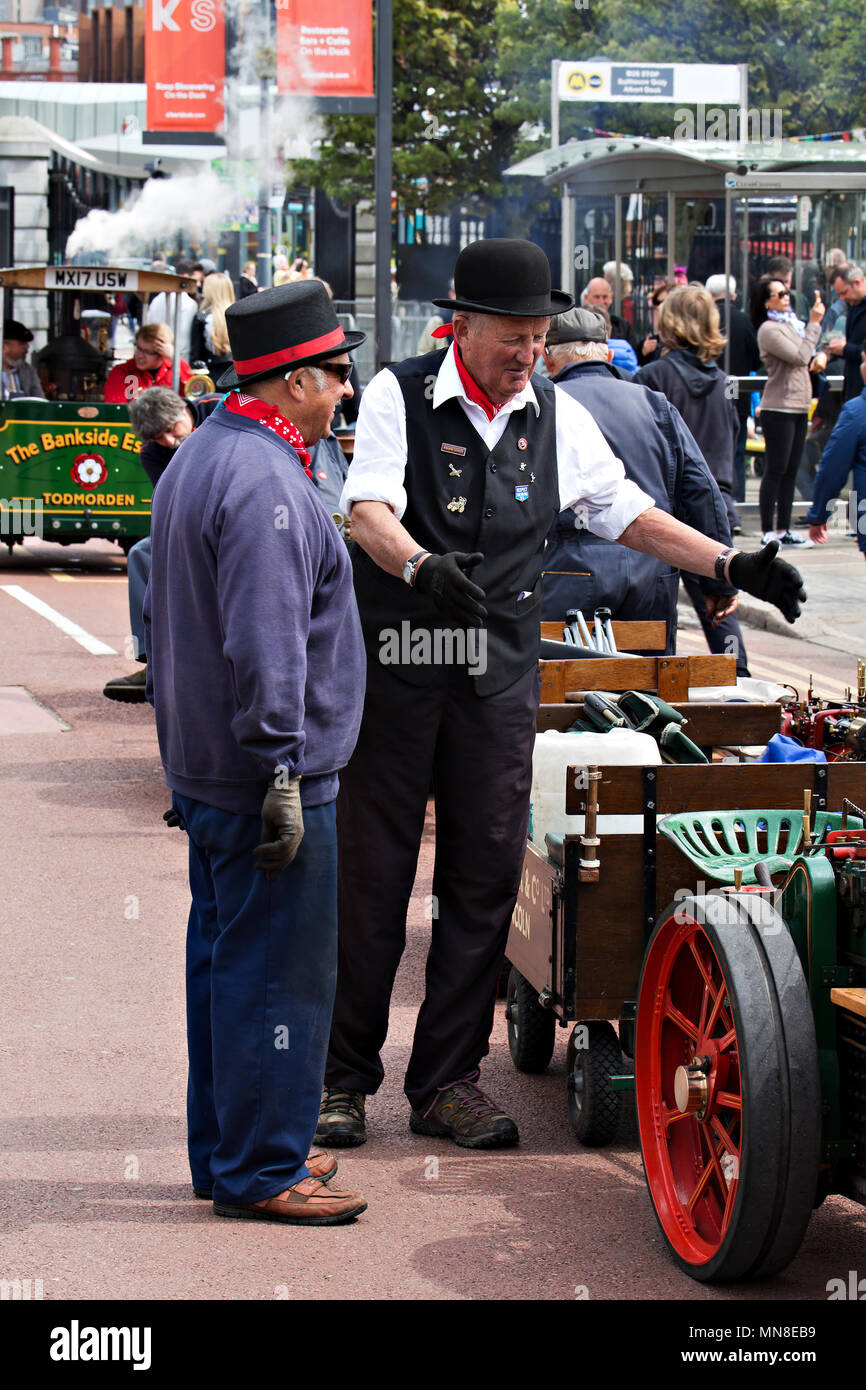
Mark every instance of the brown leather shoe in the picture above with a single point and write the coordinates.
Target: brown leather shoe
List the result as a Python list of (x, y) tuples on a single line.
[(308, 1203), (320, 1164)]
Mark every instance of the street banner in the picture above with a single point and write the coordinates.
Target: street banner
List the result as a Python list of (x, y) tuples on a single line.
[(185, 65), (325, 48), (653, 82)]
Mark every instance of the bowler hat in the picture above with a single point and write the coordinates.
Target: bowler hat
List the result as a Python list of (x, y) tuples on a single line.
[(579, 326), (16, 331), (276, 330), (504, 275)]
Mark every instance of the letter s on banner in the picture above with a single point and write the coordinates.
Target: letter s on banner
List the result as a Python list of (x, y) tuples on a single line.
[(203, 16)]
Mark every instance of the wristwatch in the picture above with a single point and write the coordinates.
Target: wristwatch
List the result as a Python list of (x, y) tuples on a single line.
[(721, 561), (411, 565)]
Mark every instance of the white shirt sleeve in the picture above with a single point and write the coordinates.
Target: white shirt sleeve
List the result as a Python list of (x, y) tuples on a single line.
[(378, 467), (591, 478)]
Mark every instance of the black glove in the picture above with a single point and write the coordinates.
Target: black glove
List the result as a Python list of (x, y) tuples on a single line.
[(444, 578), (761, 574), (173, 820), (282, 828)]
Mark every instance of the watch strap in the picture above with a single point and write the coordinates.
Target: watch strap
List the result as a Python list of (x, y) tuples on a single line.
[(721, 561)]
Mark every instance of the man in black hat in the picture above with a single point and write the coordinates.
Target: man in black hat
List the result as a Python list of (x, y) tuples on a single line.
[(255, 668), (462, 461), (19, 378)]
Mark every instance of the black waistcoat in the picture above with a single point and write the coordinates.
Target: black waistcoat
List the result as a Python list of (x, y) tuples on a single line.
[(463, 496)]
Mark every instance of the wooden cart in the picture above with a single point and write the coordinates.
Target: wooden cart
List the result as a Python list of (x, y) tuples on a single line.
[(579, 937)]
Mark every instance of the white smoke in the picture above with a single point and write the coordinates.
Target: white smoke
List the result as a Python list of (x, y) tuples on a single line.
[(189, 203)]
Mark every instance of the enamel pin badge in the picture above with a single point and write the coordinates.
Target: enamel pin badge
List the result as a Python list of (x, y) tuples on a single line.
[(521, 492), (457, 504), (522, 443), (454, 449)]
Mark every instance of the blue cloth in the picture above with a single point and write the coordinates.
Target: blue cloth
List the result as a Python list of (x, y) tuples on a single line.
[(782, 749), (624, 355), (256, 660), (845, 450), (261, 974)]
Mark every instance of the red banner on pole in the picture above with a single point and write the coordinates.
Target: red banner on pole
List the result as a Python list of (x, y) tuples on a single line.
[(325, 47), (185, 64)]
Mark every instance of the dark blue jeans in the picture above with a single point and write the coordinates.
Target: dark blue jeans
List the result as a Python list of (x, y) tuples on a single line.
[(261, 973)]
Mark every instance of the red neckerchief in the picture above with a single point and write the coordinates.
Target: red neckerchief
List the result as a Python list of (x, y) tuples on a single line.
[(253, 409), (473, 390)]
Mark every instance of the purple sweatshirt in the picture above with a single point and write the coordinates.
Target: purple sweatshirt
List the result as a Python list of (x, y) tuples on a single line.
[(255, 651)]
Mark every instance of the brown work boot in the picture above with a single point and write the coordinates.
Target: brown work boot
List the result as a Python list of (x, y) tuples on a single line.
[(308, 1203), (321, 1165), (467, 1116), (341, 1118), (129, 689)]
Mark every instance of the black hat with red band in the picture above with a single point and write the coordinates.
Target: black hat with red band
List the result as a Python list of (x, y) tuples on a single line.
[(276, 330)]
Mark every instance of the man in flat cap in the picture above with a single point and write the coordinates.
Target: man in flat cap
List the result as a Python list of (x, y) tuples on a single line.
[(659, 452), (256, 668), (19, 377), (462, 461)]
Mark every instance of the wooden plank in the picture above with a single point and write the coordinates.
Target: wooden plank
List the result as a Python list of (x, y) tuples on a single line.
[(854, 1000), (671, 676), (709, 725), (720, 786), (629, 636)]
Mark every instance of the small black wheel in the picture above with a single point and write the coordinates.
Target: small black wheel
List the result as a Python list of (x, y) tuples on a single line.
[(594, 1107), (531, 1029)]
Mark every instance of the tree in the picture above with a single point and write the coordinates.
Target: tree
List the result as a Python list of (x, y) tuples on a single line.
[(449, 143)]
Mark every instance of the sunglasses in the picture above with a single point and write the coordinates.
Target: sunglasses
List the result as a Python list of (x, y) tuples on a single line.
[(341, 369)]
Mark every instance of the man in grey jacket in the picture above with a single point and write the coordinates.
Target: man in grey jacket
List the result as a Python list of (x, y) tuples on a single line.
[(661, 456)]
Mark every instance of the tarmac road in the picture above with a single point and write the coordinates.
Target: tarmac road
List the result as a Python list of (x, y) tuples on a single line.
[(96, 1200)]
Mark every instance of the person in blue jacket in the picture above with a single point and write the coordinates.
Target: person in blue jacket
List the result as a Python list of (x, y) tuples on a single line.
[(660, 455), (256, 672), (845, 451)]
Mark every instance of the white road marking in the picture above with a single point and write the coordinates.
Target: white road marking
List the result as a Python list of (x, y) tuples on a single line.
[(78, 634)]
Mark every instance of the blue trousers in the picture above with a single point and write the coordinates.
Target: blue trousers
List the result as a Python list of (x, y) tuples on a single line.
[(137, 575), (260, 979)]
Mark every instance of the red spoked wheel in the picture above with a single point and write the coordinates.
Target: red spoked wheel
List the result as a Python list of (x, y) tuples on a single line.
[(727, 1089)]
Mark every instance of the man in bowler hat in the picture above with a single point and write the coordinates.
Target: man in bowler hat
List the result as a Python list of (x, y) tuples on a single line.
[(255, 669), (462, 461)]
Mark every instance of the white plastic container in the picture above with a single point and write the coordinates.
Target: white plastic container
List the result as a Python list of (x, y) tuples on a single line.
[(554, 752)]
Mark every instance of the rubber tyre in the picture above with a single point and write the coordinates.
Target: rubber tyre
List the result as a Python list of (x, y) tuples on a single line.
[(721, 979), (531, 1029), (594, 1107)]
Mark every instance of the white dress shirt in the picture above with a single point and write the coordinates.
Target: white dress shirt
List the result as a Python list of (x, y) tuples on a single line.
[(591, 478)]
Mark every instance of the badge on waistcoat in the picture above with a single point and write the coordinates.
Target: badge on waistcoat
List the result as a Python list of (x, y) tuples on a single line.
[(453, 449), (521, 492), (454, 472), (457, 504), (522, 443)]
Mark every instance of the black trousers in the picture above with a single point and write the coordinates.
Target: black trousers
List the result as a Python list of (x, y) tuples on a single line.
[(478, 753), (784, 435)]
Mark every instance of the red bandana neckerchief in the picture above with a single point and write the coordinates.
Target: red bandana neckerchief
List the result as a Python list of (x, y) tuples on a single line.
[(473, 390), (253, 409)]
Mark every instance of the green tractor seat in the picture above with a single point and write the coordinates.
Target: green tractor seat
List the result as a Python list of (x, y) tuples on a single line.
[(718, 842)]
